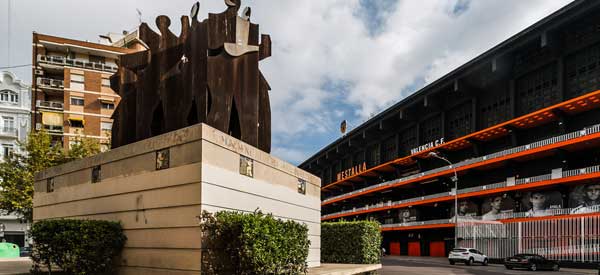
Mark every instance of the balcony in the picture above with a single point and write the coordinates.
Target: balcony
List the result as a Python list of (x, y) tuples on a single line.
[(416, 223), (523, 183), (64, 61), (51, 105), (469, 163), (474, 221), (52, 129), (8, 132), (49, 83), (570, 107)]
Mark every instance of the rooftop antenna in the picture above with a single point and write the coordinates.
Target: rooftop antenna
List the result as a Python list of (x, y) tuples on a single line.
[(139, 13)]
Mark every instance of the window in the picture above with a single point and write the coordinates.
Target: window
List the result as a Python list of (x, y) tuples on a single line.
[(76, 123), (97, 59), (537, 89), (373, 155), (106, 126), (77, 82), (431, 129), (77, 78), (108, 105), (389, 149), (9, 96), (458, 121), (9, 123), (77, 101), (7, 149), (105, 82), (583, 71)]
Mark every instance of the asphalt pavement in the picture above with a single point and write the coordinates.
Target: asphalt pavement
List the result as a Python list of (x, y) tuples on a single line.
[(440, 266)]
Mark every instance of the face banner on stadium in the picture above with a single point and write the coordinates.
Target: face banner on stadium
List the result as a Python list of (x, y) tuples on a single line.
[(496, 205), (541, 203), (466, 208), (585, 198), (408, 215)]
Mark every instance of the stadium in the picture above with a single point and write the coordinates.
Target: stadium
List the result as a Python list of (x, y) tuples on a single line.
[(517, 130)]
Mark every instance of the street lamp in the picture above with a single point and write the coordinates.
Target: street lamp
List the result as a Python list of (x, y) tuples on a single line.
[(455, 180)]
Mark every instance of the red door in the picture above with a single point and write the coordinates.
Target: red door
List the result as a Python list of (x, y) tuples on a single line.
[(414, 249), (394, 248), (437, 249)]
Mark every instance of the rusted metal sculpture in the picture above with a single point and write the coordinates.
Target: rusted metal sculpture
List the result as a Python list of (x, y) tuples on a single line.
[(209, 73)]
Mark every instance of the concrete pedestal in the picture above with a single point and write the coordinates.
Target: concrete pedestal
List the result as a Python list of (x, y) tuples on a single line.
[(158, 187)]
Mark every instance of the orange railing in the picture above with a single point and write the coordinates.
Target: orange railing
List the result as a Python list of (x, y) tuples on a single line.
[(572, 106)]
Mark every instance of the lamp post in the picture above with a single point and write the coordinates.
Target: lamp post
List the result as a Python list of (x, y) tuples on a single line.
[(455, 180)]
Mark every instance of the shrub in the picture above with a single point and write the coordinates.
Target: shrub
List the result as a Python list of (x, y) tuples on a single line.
[(252, 243), (357, 242), (76, 246)]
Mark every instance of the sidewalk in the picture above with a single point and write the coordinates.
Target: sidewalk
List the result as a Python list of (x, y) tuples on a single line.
[(15, 266), (22, 266), (342, 269), (444, 261)]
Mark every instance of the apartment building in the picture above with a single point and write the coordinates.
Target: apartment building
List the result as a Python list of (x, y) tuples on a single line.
[(15, 119), (501, 154), (15, 112), (71, 94)]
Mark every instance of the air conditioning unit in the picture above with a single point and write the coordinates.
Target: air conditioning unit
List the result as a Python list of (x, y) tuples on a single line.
[(38, 126), (39, 72)]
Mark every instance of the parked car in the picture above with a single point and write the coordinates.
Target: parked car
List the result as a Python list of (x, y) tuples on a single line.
[(467, 256), (530, 261), (25, 251)]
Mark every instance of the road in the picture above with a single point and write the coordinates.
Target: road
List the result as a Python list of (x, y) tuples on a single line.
[(423, 266)]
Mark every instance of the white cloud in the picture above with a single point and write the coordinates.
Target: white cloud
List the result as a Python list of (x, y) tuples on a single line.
[(292, 155), (314, 42)]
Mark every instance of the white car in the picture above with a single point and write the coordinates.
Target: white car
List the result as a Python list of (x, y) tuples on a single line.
[(467, 256)]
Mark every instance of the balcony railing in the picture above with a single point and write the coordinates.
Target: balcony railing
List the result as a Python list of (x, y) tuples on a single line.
[(417, 223), (63, 61), (53, 105), (53, 128), (50, 83), (587, 131), (8, 132), (475, 220), (563, 174)]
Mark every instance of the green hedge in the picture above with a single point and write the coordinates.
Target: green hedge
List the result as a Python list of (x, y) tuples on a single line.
[(357, 242), (76, 246), (252, 243)]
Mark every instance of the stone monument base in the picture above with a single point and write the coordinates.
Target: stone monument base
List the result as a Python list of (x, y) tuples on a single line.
[(158, 187)]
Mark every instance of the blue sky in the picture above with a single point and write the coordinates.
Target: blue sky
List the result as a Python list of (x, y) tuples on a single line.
[(332, 59)]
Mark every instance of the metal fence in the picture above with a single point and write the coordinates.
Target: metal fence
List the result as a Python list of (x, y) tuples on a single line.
[(569, 239)]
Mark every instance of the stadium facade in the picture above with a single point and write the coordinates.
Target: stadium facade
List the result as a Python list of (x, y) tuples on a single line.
[(520, 127)]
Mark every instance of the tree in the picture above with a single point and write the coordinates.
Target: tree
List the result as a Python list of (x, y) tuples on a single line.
[(83, 147), (18, 170)]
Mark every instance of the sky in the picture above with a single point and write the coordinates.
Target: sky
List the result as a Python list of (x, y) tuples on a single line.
[(332, 60)]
